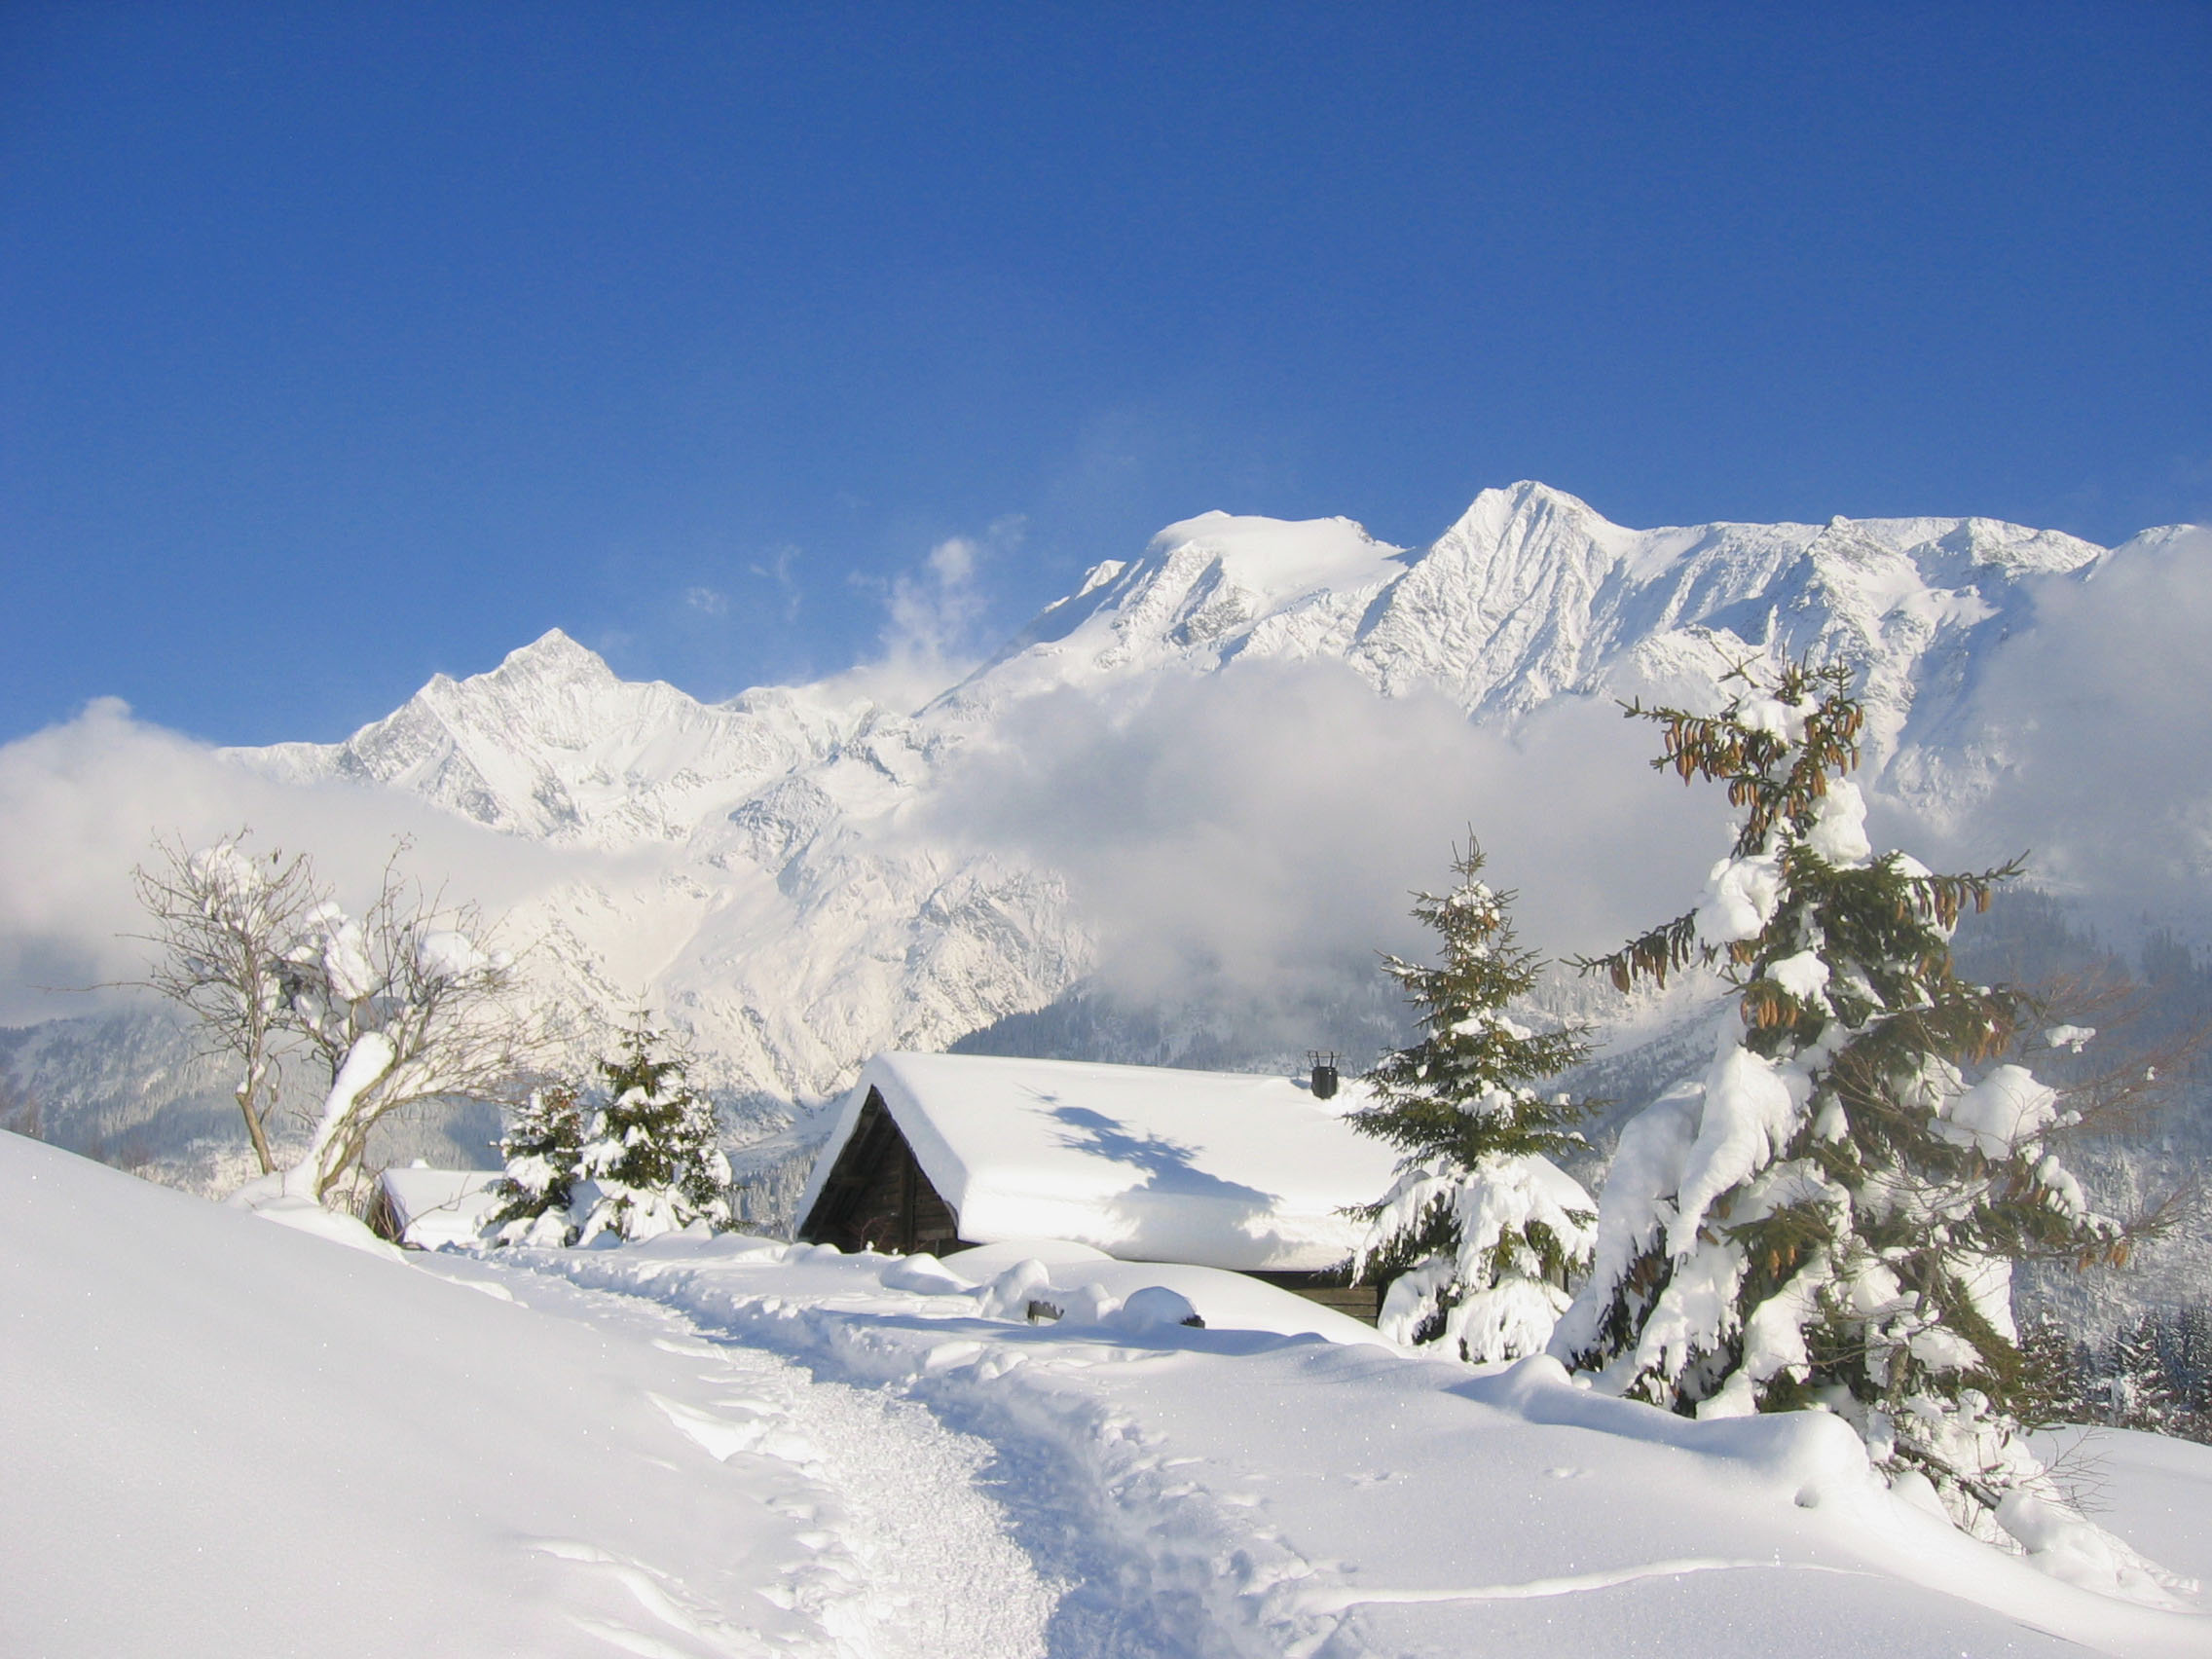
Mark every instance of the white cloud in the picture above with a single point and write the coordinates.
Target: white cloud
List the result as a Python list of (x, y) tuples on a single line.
[(706, 601), (933, 616), (778, 569), (952, 562), (1262, 830), (82, 802), (2102, 711)]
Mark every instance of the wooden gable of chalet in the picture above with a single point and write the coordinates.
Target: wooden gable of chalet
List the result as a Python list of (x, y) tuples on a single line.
[(877, 1197), (384, 1218)]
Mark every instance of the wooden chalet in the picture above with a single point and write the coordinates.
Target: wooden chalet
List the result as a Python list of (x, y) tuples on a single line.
[(876, 1198), (941, 1152), (422, 1208)]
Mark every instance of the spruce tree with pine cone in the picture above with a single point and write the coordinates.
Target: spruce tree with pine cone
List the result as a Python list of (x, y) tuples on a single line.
[(1830, 1215)]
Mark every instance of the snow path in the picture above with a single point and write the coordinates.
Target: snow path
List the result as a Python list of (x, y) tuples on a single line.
[(902, 1554), (1150, 1564)]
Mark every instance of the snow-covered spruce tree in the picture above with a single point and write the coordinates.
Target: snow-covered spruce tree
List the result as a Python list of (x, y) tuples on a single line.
[(652, 1160), (2139, 1388), (1828, 1217), (1481, 1234), (543, 1152)]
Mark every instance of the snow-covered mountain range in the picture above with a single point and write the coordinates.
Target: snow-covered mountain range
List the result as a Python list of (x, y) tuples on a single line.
[(796, 935), (787, 873)]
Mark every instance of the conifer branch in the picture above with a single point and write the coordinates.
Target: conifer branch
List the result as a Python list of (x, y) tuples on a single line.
[(1666, 949)]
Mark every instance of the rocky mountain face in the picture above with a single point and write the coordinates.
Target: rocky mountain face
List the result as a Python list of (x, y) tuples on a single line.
[(768, 869)]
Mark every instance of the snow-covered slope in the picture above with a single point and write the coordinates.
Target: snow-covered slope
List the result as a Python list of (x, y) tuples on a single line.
[(776, 872), (227, 1438), (223, 1437)]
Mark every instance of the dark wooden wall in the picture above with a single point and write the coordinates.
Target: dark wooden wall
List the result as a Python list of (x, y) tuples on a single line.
[(1363, 1301), (877, 1197)]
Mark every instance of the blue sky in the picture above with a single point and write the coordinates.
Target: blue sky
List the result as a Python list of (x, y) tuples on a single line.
[(344, 345)]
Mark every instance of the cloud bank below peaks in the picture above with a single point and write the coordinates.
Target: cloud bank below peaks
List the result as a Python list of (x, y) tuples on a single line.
[(2098, 720), (1262, 829), (82, 802)]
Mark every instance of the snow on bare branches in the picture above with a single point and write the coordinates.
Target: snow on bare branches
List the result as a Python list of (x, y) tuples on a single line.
[(405, 1003)]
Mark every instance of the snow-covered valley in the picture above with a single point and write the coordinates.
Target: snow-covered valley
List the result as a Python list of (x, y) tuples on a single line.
[(1038, 833), (229, 1437)]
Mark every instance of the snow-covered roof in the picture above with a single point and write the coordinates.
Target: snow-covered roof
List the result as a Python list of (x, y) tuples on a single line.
[(430, 1207), (1217, 1169)]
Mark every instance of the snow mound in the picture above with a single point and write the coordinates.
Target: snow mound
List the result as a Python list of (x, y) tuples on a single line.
[(223, 1438), (305, 1215)]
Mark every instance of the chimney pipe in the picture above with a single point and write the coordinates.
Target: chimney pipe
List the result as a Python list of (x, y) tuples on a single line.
[(1322, 1067)]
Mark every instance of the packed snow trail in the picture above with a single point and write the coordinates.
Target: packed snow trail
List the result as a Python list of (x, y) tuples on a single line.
[(903, 1558), (1133, 1561)]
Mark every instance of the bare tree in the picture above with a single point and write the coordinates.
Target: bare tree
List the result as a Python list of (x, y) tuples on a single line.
[(411, 1002), (225, 919), (408, 1003)]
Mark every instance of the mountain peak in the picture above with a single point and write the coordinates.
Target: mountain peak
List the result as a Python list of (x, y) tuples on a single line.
[(1497, 507), (1535, 491), (1283, 557), (552, 660), (555, 648)]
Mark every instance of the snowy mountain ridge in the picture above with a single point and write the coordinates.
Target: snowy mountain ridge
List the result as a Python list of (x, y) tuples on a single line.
[(551, 745), (1529, 596), (769, 874), (1532, 595)]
